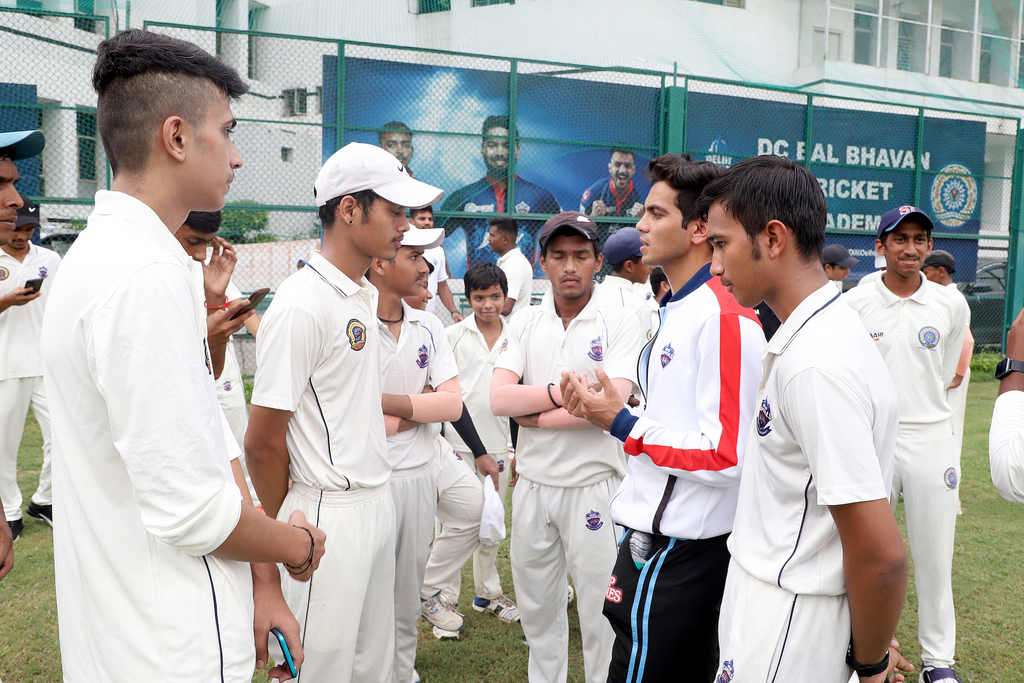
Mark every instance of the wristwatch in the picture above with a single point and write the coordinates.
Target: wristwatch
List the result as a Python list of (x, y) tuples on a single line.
[(867, 670), (1008, 365)]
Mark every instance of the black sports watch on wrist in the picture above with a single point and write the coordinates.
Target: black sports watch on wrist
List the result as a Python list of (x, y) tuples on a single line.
[(867, 670), (1008, 365)]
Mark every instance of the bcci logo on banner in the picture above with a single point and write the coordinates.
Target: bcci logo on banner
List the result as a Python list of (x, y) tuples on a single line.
[(954, 195)]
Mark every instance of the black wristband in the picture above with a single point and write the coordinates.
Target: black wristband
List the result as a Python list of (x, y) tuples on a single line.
[(550, 397), (867, 670), (309, 560)]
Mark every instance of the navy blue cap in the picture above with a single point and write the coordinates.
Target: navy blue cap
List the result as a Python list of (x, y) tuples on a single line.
[(893, 217), (622, 244), (22, 144)]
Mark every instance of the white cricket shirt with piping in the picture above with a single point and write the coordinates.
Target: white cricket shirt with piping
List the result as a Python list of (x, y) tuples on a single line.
[(476, 366), (20, 325), (519, 274), (318, 357)]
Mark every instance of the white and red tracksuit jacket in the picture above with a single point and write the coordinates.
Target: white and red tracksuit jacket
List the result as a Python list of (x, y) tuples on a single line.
[(699, 376)]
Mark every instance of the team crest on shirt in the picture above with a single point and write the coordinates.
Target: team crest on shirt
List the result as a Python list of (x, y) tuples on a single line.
[(596, 350), (929, 337), (422, 357), (504, 346), (594, 520), (667, 354), (950, 477), (764, 419), (727, 672), (227, 386), (501, 466), (457, 456), (4, 273), (356, 332), (42, 271)]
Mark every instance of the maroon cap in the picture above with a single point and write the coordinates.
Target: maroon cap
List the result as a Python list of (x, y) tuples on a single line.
[(569, 222)]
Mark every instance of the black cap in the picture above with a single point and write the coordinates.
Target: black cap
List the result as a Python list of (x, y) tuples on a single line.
[(568, 222), (893, 217), (836, 254), (28, 214), (941, 257)]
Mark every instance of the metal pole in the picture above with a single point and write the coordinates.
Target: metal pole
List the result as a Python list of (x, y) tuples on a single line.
[(513, 137), (339, 99)]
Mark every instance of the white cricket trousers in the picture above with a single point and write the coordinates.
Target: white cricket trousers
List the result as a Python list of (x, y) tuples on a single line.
[(957, 400), (346, 611), (927, 472), (414, 491), (16, 395), (460, 504), (231, 396), (766, 633), (559, 531)]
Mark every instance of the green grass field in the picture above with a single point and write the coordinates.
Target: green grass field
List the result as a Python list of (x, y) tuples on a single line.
[(988, 577)]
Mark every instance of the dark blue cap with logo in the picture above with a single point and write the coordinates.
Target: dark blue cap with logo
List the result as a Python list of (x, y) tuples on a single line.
[(622, 244), (893, 217)]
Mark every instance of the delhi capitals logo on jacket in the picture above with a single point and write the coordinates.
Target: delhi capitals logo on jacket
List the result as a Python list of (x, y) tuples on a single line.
[(42, 271), (667, 354), (727, 672), (594, 520), (764, 419), (596, 350), (422, 357)]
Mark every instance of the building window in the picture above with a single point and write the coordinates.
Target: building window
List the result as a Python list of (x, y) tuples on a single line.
[(431, 6), (88, 8), (295, 102), (255, 20), (286, 153), (865, 30), (319, 99), (87, 146), (835, 45)]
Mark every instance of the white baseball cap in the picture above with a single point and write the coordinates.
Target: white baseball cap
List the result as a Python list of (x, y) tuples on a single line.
[(357, 167), (428, 238)]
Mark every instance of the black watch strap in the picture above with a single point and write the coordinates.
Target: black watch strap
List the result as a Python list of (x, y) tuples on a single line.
[(867, 670), (1008, 365)]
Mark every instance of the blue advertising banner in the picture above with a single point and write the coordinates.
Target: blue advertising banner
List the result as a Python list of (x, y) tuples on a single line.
[(21, 117), (865, 163), (390, 103)]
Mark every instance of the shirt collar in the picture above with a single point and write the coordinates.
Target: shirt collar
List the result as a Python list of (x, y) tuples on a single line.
[(817, 301), (412, 315), (470, 323), (547, 304), (140, 215), (508, 254), (33, 250), (920, 295), (329, 272), (698, 279), (620, 282)]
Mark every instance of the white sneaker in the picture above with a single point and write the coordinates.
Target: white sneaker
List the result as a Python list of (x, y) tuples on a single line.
[(415, 677), (440, 612), (441, 634), (501, 607)]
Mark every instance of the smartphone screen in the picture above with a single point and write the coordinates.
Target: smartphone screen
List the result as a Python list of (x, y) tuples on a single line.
[(254, 300), (35, 285)]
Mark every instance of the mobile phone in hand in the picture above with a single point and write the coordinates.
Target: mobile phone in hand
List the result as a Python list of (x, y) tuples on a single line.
[(287, 653), (254, 300), (35, 285)]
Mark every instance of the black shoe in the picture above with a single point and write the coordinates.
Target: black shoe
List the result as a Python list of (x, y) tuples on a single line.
[(41, 512), (15, 529)]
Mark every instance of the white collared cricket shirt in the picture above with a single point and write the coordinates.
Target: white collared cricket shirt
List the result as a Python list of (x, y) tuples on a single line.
[(435, 256), (824, 434), (142, 479), (617, 291), (420, 356), (519, 274), (476, 366), (699, 375), (20, 325), (318, 357), (920, 338), (539, 349)]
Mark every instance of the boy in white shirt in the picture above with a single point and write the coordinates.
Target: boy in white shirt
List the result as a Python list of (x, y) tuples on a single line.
[(502, 238), (568, 469), (818, 572)]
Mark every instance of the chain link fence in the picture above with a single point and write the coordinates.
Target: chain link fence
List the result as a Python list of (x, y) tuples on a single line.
[(518, 138)]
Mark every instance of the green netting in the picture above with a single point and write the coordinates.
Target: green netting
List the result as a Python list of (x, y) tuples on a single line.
[(527, 138)]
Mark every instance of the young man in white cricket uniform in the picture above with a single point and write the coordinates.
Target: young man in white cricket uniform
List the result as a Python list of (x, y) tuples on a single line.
[(13, 146), (918, 327), (502, 236), (437, 281), (568, 469), (414, 354), (198, 231), (819, 571), (622, 251), (1006, 435), (838, 262), (21, 367), (316, 414), (699, 379), (475, 343), (156, 529)]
